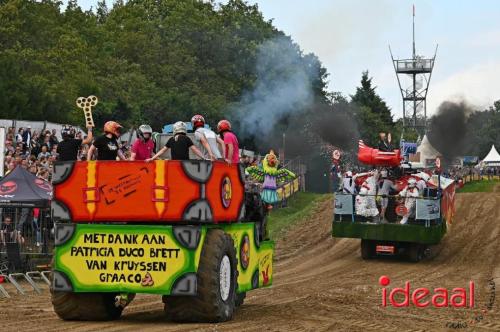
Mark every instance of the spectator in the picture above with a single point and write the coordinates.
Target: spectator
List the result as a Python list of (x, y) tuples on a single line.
[(9, 146), (53, 138), (7, 230), (27, 138), (44, 153), (19, 136)]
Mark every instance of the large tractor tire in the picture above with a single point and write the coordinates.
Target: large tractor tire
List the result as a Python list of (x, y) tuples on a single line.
[(216, 284), (86, 306), (367, 249)]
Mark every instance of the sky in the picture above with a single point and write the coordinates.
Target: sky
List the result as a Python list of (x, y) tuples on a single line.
[(350, 36)]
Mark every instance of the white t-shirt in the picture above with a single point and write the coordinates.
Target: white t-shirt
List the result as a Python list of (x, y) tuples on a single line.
[(211, 138)]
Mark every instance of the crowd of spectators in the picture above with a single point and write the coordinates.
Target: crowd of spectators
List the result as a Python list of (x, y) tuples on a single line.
[(36, 151)]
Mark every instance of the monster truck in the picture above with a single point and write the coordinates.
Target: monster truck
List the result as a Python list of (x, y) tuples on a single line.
[(185, 230)]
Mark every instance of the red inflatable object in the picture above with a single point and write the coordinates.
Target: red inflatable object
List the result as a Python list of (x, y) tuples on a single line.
[(375, 157)]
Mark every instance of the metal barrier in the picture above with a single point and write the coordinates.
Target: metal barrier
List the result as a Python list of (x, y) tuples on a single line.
[(3, 292), (368, 208), (29, 277)]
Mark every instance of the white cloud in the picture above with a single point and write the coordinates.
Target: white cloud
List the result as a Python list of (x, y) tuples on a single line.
[(478, 85)]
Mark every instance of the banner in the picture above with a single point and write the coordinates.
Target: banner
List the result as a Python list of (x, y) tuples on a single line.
[(142, 259), (428, 209), (343, 204)]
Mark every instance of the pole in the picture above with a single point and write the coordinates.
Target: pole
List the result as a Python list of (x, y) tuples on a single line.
[(2, 151), (284, 139), (414, 53)]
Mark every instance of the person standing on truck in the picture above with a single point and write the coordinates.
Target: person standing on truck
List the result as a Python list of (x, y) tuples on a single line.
[(230, 141), (67, 149), (384, 187), (422, 182), (349, 182), (384, 144), (410, 194), (144, 146), (206, 140), (107, 145), (179, 144)]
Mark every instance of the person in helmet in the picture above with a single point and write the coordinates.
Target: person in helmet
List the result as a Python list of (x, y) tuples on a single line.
[(107, 145), (144, 145), (384, 187), (230, 141), (179, 144), (422, 180), (410, 194), (67, 149), (206, 140)]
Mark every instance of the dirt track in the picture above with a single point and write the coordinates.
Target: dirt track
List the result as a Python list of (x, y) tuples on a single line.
[(322, 284)]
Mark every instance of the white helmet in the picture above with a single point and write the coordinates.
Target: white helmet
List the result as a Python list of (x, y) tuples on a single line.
[(348, 174), (412, 182), (363, 191), (179, 128)]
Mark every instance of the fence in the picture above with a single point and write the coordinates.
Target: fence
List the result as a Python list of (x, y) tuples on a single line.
[(25, 245), (29, 228), (424, 210)]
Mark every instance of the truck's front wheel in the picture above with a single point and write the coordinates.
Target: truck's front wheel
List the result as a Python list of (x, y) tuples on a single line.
[(216, 284), (86, 306)]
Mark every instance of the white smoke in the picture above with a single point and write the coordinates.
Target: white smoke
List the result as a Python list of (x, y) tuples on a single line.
[(283, 86)]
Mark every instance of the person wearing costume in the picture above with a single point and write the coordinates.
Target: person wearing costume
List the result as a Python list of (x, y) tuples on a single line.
[(270, 176), (410, 194)]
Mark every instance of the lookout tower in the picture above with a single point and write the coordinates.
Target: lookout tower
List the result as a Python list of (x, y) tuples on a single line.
[(414, 76)]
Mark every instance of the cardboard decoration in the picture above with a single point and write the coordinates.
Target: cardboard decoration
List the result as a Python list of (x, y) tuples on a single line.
[(86, 104)]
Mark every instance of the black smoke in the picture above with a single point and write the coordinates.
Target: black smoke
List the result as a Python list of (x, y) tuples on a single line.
[(448, 129)]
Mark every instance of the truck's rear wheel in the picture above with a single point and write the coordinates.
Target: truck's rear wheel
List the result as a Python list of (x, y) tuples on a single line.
[(216, 284), (416, 252), (367, 249), (86, 306)]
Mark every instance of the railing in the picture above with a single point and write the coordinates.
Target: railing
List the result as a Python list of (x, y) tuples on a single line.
[(424, 210), (414, 64)]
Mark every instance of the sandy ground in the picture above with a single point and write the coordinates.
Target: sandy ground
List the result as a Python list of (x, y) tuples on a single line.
[(322, 284)]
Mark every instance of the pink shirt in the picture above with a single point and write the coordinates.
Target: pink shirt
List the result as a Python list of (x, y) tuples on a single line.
[(230, 138), (143, 150)]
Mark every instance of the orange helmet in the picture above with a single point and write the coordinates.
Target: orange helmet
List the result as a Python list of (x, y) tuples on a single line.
[(113, 127), (223, 125), (198, 121)]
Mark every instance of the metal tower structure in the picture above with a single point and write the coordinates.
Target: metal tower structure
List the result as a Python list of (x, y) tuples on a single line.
[(414, 76)]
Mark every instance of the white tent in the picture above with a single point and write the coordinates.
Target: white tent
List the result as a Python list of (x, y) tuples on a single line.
[(427, 151), (493, 157)]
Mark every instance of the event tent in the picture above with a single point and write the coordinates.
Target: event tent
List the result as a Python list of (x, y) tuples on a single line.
[(492, 158), (20, 188)]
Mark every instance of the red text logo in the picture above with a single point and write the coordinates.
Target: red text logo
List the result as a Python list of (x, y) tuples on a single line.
[(422, 297)]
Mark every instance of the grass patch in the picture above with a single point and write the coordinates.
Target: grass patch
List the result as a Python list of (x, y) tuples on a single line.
[(483, 186), (299, 207)]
